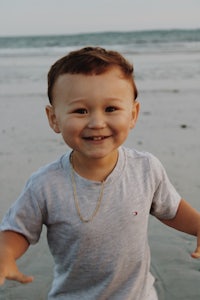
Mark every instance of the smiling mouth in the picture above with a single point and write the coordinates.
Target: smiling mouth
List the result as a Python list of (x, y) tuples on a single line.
[(95, 138)]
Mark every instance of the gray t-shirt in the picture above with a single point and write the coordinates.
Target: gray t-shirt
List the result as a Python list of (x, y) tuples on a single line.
[(109, 257)]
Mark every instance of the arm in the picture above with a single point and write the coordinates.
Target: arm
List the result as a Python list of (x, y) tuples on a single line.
[(187, 219), (12, 246)]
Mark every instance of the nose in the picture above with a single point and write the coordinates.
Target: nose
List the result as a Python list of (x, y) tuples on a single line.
[(96, 120)]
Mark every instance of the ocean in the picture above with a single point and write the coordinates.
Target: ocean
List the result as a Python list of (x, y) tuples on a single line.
[(164, 60)]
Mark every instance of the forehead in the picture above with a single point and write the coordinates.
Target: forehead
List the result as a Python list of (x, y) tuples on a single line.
[(111, 79)]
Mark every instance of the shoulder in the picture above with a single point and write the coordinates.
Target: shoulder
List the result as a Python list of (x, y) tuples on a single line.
[(143, 162), (132, 154), (50, 173)]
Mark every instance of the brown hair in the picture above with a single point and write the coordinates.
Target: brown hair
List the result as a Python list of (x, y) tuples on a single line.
[(89, 61)]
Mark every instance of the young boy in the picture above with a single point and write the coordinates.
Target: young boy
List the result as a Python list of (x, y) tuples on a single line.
[(96, 199)]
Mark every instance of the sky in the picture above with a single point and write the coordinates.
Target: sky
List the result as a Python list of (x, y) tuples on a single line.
[(40, 17)]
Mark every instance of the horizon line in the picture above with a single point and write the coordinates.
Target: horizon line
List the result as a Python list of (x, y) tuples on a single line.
[(98, 32)]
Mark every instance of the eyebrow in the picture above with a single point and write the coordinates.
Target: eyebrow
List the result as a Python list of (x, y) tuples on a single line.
[(79, 100)]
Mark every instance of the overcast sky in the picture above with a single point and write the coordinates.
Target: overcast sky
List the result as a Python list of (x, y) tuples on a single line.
[(33, 17)]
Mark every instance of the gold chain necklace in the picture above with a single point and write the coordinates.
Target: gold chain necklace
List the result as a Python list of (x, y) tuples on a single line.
[(84, 220)]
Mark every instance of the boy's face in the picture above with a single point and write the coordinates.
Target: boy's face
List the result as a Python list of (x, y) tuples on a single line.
[(94, 113)]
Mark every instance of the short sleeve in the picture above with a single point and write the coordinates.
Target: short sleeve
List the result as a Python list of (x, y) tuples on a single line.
[(25, 215), (165, 198)]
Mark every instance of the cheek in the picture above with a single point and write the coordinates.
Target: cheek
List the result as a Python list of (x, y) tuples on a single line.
[(70, 129), (124, 122)]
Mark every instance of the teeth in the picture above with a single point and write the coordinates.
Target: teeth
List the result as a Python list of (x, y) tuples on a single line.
[(97, 138)]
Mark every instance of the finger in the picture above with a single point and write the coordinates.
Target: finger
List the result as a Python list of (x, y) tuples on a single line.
[(22, 278), (2, 280), (196, 253), (19, 277)]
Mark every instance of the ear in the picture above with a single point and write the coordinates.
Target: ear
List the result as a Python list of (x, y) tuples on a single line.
[(53, 123), (135, 114)]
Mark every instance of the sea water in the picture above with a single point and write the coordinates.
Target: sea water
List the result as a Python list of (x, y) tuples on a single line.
[(163, 59)]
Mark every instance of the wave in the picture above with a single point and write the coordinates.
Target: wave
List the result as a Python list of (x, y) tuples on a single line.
[(127, 42)]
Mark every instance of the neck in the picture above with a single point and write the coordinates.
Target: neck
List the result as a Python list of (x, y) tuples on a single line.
[(94, 169)]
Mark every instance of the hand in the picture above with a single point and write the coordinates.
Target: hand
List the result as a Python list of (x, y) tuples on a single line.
[(9, 270), (196, 253)]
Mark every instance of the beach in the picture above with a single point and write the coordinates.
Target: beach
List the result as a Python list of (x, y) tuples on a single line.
[(168, 127)]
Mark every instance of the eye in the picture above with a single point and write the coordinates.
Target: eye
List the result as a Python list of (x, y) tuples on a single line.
[(110, 109), (81, 111)]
